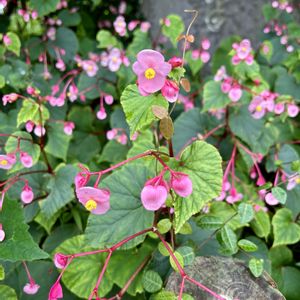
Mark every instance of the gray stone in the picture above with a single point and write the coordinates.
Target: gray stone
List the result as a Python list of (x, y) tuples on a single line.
[(225, 276)]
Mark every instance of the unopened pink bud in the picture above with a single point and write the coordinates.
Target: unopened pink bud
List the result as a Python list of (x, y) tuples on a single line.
[(181, 184), (55, 292), (31, 288), (60, 260), (27, 194), (26, 160)]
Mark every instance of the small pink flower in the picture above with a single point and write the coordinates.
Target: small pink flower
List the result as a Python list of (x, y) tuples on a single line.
[(132, 24), (109, 99), (101, 114), (145, 26), (221, 74), (290, 48), (205, 56), (242, 52), (181, 184), (155, 193), (122, 139), (292, 183), (26, 159), (120, 25), (270, 199), (9, 98), (55, 292), (111, 134), (31, 90), (34, 14), (235, 94), (73, 92), (170, 90), (90, 67), (60, 260), (114, 60), (94, 200), (6, 40), (257, 107), (292, 110), (279, 108), (175, 62), (81, 180), (205, 44), (31, 288), (7, 161), (39, 130), (68, 128), (151, 70), (226, 85), (234, 196), (27, 194), (60, 65), (2, 233), (260, 181)]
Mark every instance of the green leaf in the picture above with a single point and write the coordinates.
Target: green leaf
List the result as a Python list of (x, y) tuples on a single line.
[(213, 97), (286, 231), (209, 222), (44, 7), (164, 226), (2, 273), (291, 279), (114, 152), (247, 245), (179, 259), (177, 73), (228, 240), (69, 18), (266, 50), (32, 111), (261, 224), (2, 81), (7, 293), (58, 142), (256, 266), (194, 64), (175, 28), (202, 162), (126, 208), (143, 143), (15, 44), (152, 281), (26, 145), (18, 244), (106, 39), (140, 42), (187, 254), (163, 250), (279, 194), (60, 190), (164, 295), (138, 109), (245, 212), (280, 256), (186, 229), (81, 275), (46, 223)]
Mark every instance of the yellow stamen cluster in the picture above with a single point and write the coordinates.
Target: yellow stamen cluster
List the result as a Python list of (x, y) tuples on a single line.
[(259, 108), (91, 205), (3, 162), (297, 180), (150, 73)]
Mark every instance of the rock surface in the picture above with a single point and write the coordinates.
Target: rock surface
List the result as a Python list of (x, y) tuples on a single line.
[(225, 276)]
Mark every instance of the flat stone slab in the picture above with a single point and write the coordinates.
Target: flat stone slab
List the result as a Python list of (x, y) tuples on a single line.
[(227, 277)]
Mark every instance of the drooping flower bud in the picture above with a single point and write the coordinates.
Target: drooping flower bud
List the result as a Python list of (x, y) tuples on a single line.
[(60, 260), (55, 292), (181, 184), (175, 62), (2, 233), (270, 199), (27, 194), (170, 90), (31, 288), (26, 159)]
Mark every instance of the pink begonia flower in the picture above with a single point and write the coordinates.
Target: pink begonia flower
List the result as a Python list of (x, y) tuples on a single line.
[(55, 292), (9, 98), (114, 60), (145, 26), (26, 159), (225, 188), (292, 183), (68, 128), (109, 99), (31, 90), (151, 70), (60, 65), (6, 40), (122, 7), (81, 180), (111, 134), (260, 181), (290, 48), (132, 24), (51, 33), (205, 56), (234, 196), (257, 107), (120, 25), (292, 110), (94, 200), (29, 126), (154, 194), (170, 90), (205, 44), (242, 52), (235, 93), (34, 14), (122, 139), (104, 59), (60, 260), (181, 184), (7, 161), (31, 288), (101, 114), (2, 233), (279, 108), (270, 199), (221, 74), (175, 62), (90, 67), (73, 92), (27, 194), (283, 40), (39, 130)]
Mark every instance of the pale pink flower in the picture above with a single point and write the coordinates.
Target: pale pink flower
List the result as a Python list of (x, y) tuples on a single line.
[(181, 184), (60, 65), (68, 128), (34, 14), (205, 44), (221, 74), (2, 233), (31, 288), (235, 93), (7, 161), (242, 52), (120, 25), (290, 48), (122, 139), (101, 114), (81, 180), (151, 70), (104, 59), (114, 60), (9, 98), (270, 199), (205, 56), (60, 260), (170, 90), (90, 67), (154, 194), (55, 292), (292, 183), (292, 110), (109, 99), (26, 159), (27, 194), (257, 107), (226, 85), (6, 40), (279, 108), (73, 92), (111, 134), (39, 130), (145, 26), (122, 7), (29, 126), (132, 24), (234, 196), (51, 33)]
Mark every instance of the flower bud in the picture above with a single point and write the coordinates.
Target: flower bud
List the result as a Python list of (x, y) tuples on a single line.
[(181, 184), (26, 160), (27, 194)]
